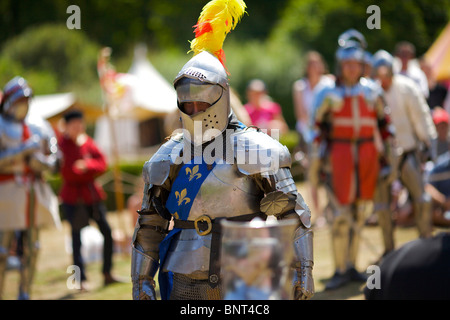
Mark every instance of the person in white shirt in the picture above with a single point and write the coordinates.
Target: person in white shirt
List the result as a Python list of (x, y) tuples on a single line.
[(406, 64), (413, 124)]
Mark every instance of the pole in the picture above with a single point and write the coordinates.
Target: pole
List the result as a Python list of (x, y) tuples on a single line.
[(104, 71)]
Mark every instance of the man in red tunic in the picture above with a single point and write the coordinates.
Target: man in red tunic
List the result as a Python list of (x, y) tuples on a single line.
[(348, 116), (82, 198)]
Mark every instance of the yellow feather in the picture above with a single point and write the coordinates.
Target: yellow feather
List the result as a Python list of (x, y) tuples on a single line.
[(216, 20)]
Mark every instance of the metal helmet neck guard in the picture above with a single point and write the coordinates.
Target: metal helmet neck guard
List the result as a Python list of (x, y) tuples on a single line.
[(204, 79)]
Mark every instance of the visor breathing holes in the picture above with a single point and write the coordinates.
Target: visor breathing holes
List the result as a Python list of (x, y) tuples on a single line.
[(195, 73)]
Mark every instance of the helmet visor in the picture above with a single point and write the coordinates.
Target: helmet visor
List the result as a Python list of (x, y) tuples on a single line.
[(350, 53), (19, 109), (190, 90)]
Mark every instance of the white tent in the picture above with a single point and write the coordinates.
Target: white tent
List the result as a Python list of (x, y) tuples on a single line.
[(151, 91), (48, 106), (149, 96)]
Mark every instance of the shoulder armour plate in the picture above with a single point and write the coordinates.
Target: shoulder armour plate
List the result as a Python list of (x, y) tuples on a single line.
[(157, 169), (256, 152)]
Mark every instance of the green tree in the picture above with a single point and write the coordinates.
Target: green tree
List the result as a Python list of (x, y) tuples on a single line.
[(316, 24), (52, 58)]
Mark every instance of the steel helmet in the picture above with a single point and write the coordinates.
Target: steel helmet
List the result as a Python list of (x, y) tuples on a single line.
[(352, 45), (203, 78), (14, 90), (383, 58)]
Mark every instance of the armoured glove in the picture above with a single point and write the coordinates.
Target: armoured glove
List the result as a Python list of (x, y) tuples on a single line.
[(143, 270), (39, 162), (144, 288), (303, 283), (32, 144)]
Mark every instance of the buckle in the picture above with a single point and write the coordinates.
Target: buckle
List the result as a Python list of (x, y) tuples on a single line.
[(206, 219)]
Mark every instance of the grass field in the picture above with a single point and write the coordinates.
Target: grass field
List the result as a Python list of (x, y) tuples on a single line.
[(50, 282)]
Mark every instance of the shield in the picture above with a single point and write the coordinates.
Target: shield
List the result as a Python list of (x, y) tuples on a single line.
[(256, 258)]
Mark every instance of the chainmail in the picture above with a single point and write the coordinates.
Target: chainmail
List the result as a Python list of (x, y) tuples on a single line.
[(185, 288)]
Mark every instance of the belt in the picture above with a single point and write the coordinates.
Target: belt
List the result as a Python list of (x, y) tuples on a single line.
[(353, 140), (204, 225)]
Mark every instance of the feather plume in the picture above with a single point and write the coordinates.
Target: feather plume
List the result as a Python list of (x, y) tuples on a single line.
[(217, 19)]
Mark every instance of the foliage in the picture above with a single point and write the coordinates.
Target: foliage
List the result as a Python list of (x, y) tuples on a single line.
[(316, 24), (269, 43), (119, 23), (51, 57), (277, 64)]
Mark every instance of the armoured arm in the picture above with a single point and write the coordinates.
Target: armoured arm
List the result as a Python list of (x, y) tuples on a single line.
[(150, 230), (143, 270), (281, 198), (10, 155), (386, 138), (284, 202), (47, 159), (48, 156), (153, 222)]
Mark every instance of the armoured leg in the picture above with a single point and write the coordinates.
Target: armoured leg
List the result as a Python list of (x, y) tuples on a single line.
[(412, 179), (340, 236), (340, 233), (382, 200), (422, 215), (362, 210), (30, 249), (5, 242)]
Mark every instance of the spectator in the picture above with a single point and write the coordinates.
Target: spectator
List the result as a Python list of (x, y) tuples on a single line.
[(303, 94), (263, 111), (414, 133), (407, 65), (438, 92), (82, 198), (441, 121), (438, 186)]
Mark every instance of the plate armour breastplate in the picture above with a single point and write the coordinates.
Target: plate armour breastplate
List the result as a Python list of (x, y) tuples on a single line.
[(225, 193)]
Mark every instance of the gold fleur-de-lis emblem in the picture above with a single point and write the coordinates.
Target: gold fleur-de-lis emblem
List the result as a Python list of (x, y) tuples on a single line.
[(193, 173), (181, 196)]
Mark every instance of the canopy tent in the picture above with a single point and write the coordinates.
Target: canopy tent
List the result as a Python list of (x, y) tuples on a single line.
[(51, 107), (148, 96), (48, 106), (438, 55), (151, 93)]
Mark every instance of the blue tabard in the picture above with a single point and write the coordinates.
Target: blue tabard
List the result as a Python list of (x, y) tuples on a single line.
[(179, 203)]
